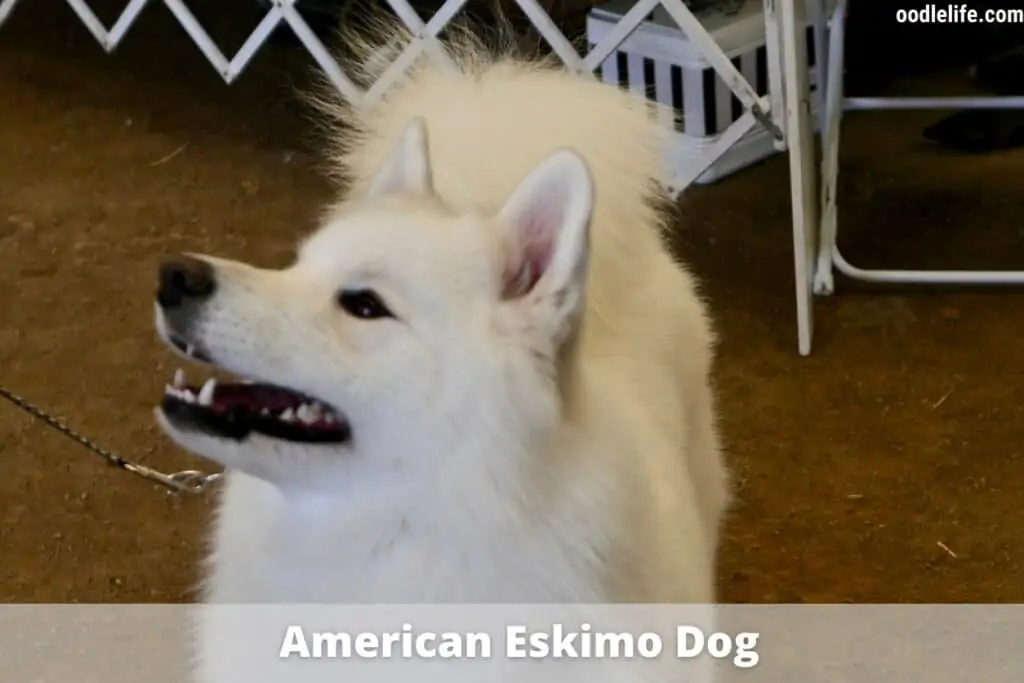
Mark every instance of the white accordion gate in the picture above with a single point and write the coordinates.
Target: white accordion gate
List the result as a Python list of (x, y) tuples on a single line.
[(785, 112)]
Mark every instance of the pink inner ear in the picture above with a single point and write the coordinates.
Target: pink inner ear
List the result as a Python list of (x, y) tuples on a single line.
[(531, 256)]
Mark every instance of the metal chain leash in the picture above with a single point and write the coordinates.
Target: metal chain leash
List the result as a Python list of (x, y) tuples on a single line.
[(186, 481)]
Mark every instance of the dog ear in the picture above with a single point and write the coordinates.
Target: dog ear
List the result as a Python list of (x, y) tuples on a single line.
[(547, 219), (407, 170)]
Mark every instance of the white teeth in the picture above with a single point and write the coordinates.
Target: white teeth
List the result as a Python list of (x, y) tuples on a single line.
[(306, 413), (180, 394), (206, 393), (312, 413), (190, 350), (322, 413)]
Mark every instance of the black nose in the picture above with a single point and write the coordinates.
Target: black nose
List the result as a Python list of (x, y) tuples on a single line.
[(184, 278)]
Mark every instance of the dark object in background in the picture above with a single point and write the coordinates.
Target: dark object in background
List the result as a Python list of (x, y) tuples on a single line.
[(1002, 75), (723, 6), (978, 131)]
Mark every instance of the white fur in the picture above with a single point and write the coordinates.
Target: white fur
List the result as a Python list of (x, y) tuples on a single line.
[(551, 443)]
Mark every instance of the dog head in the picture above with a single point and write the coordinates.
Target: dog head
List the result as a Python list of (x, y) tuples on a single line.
[(404, 333)]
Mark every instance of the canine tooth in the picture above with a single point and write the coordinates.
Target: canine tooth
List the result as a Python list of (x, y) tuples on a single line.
[(306, 413), (179, 379), (206, 393), (287, 416)]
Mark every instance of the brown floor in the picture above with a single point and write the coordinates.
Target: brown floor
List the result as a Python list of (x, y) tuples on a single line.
[(856, 467)]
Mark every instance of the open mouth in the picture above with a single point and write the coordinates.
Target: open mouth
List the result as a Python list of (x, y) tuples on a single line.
[(235, 410)]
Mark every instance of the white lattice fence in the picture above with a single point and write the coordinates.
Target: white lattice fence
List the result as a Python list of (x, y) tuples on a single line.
[(425, 42)]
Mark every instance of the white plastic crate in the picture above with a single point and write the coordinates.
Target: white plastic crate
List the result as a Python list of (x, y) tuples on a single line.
[(659, 60)]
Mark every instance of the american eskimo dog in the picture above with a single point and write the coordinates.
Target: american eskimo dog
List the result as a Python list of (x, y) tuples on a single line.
[(484, 379)]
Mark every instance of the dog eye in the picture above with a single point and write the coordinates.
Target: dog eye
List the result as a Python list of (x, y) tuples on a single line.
[(363, 303)]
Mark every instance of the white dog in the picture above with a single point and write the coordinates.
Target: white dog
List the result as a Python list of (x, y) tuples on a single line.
[(484, 379)]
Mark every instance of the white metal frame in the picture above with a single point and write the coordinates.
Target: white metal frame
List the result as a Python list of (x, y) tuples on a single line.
[(829, 256), (802, 167), (785, 111)]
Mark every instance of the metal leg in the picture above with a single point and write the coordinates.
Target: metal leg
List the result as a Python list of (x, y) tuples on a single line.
[(800, 140), (773, 53), (833, 78), (820, 21)]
